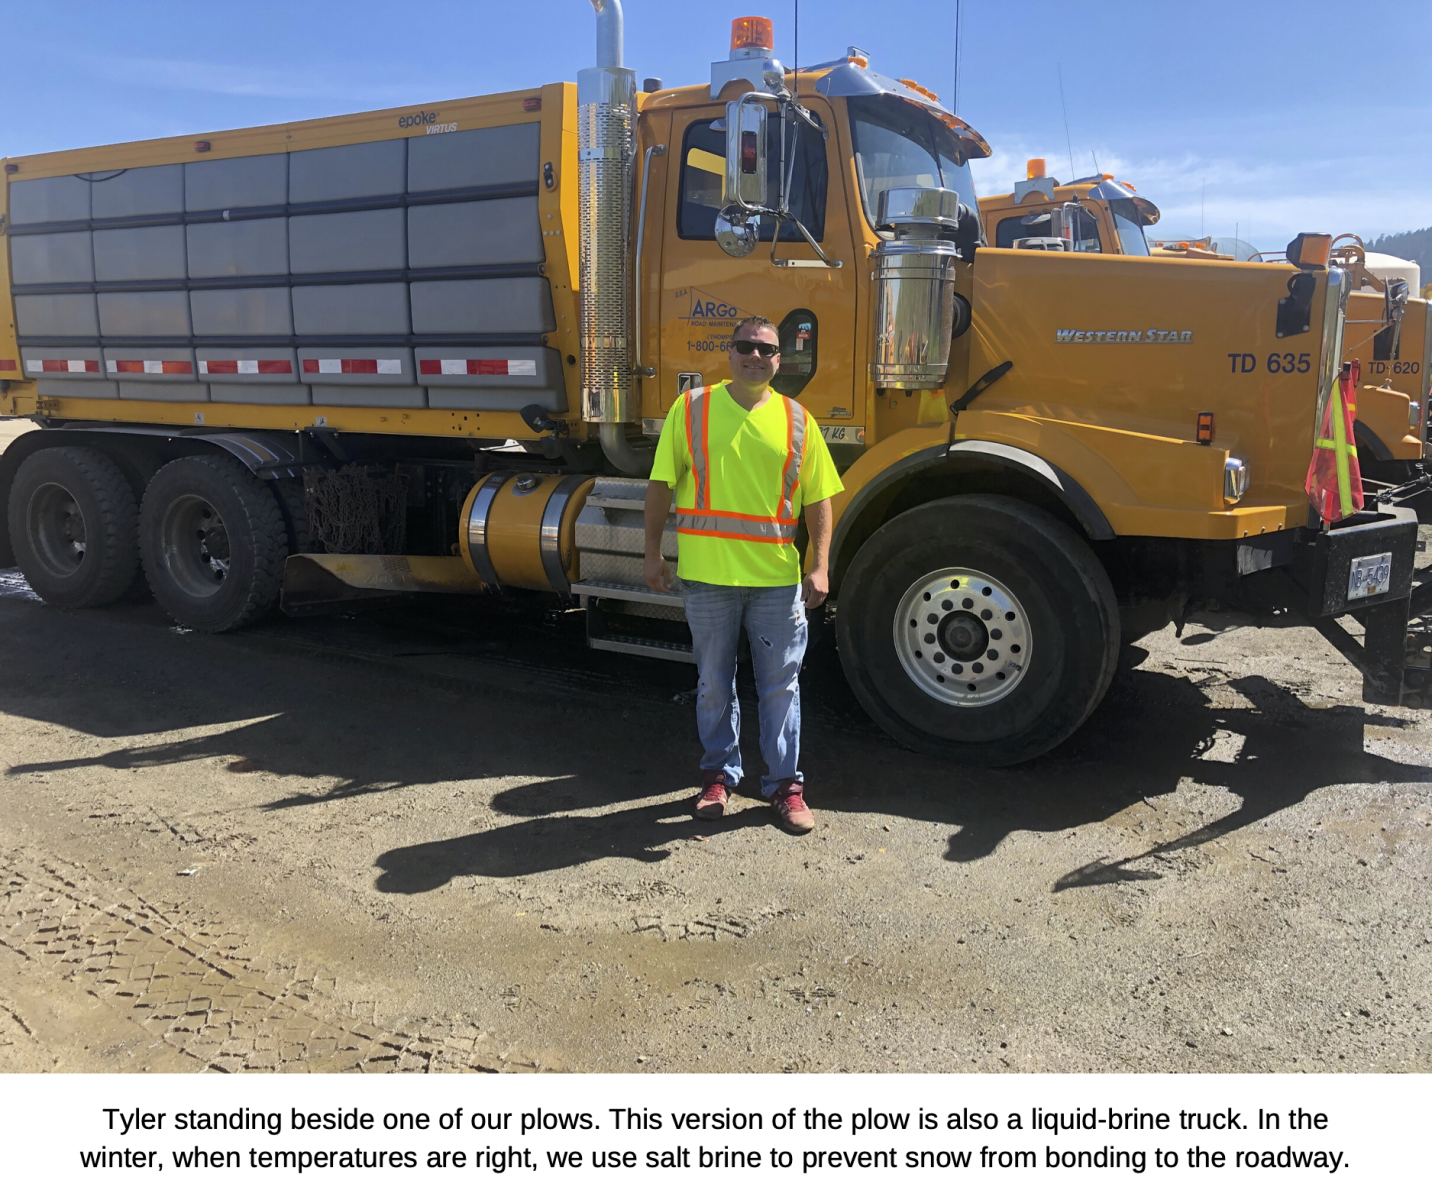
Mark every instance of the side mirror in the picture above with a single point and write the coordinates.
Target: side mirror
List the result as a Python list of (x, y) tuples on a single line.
[(746, 153), (737, 231)]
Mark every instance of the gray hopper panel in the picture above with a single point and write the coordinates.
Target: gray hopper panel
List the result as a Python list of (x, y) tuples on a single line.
[(478, 233), (356, 241), (497, 399), (373, 397), (242, 312), (140, 191), (64, 198), (60, 358), (156, 252), (51, 258), (177, 393), (77, 389), (355, 308), (144, 314), (145, 364), (257, 393), (356, 366), (238, 248), (474, 158), (348, 172), (248, 365), (236, 182), (56, 316), (490, 306)]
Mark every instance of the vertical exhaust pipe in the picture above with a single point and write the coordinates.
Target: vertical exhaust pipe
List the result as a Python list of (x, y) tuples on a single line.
[(606, 131)]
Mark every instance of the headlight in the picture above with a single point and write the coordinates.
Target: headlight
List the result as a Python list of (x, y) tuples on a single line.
[(1235, 479), (1414, 414)]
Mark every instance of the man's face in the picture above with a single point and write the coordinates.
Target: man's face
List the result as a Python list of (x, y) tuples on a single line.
[(754, 368)]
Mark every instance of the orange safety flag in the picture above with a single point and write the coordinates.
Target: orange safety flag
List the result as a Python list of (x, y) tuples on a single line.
[(1334, 483)]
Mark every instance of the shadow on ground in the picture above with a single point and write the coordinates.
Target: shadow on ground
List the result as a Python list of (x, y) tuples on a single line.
[(373, 704)]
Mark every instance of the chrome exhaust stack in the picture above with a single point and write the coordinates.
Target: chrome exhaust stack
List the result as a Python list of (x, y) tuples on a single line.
[(606, 131), (915, 300)]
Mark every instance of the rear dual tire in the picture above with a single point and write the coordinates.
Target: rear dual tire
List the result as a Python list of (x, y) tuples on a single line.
[(979, 629), (72, 523), (214, 541)]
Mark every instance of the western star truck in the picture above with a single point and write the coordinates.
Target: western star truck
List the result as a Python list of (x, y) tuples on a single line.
[(428, 350), (1388, 328)]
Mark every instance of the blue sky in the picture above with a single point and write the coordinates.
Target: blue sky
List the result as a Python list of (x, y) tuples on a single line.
[(1265, 115)]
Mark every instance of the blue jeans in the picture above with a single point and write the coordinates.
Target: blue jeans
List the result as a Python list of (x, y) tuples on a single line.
[(775, 623)]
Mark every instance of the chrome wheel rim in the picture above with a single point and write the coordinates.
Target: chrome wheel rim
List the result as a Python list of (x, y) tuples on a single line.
[(195, 546), (57, 529), (962, 637)]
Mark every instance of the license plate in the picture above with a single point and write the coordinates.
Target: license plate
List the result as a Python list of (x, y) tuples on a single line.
[(843, 435), (1369, 576)]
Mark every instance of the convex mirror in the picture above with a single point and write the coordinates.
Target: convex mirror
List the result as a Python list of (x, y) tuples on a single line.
[(737, 231)]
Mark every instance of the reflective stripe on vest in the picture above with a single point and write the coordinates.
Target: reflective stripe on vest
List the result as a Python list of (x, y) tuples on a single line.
[(705, 521)]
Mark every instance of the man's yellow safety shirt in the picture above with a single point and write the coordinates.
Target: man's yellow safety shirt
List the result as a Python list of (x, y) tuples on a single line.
[(741, 479)]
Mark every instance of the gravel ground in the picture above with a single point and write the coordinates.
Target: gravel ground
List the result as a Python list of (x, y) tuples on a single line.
[(449, 837)]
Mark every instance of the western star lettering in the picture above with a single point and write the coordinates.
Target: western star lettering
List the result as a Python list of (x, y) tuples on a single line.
[(1123, 335)]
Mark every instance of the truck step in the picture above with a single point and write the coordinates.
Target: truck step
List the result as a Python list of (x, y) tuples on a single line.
[(645, 647), (625, 591)]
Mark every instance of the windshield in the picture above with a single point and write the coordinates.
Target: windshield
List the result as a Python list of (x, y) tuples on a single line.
[(899, 144), (1129, 227)]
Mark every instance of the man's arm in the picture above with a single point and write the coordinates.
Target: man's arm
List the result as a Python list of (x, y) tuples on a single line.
[(656, 569), (816, 586)]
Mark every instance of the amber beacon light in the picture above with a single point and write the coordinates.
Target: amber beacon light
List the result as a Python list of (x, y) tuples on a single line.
[(1034, 169), (753, 33)]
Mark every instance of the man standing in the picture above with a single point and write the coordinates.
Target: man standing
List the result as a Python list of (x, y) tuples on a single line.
[(744, 461)]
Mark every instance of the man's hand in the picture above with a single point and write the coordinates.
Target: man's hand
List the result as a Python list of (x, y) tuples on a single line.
[(655, 569), (816, 585), (815, 588), (657, 573)]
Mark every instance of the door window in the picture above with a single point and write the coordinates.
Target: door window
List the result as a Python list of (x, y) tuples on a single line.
[(703, 179)]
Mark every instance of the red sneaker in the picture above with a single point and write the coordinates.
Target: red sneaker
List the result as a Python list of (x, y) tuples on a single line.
[(711, 803), (790, 807)]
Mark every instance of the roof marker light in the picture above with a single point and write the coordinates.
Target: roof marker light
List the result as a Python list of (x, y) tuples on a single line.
[(753, 33)]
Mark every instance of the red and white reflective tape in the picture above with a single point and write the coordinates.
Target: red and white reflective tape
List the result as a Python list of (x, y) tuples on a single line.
[(148, 366), (477, 366), (71, 366), (245, 366), (353, 366)]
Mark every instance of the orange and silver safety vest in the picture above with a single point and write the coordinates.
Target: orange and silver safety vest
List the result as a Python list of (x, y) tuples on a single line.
[(710, 519)]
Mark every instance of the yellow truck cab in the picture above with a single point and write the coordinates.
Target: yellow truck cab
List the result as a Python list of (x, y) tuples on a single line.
[(428, 350), (1094, 215)]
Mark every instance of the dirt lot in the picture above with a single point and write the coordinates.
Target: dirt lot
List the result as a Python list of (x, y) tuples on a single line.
[(452, 838)]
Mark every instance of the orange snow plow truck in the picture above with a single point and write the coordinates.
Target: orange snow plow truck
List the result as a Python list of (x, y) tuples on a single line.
[(428, 350)]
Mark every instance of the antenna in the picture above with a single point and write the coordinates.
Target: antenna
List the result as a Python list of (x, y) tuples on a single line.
[(959, 17), (796, 67), (1062, 105), (1203, 197)]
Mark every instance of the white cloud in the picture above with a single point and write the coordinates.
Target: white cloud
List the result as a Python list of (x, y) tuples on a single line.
[(371, 85)]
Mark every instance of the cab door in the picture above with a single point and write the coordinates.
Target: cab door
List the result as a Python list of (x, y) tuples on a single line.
[(704, 292)]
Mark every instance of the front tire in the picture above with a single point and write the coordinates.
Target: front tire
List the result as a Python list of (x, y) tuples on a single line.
[(978, 628), (213, 542), (73, 525)]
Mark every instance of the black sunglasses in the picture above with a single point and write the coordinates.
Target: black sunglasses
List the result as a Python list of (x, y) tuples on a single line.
[(764, 349)]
